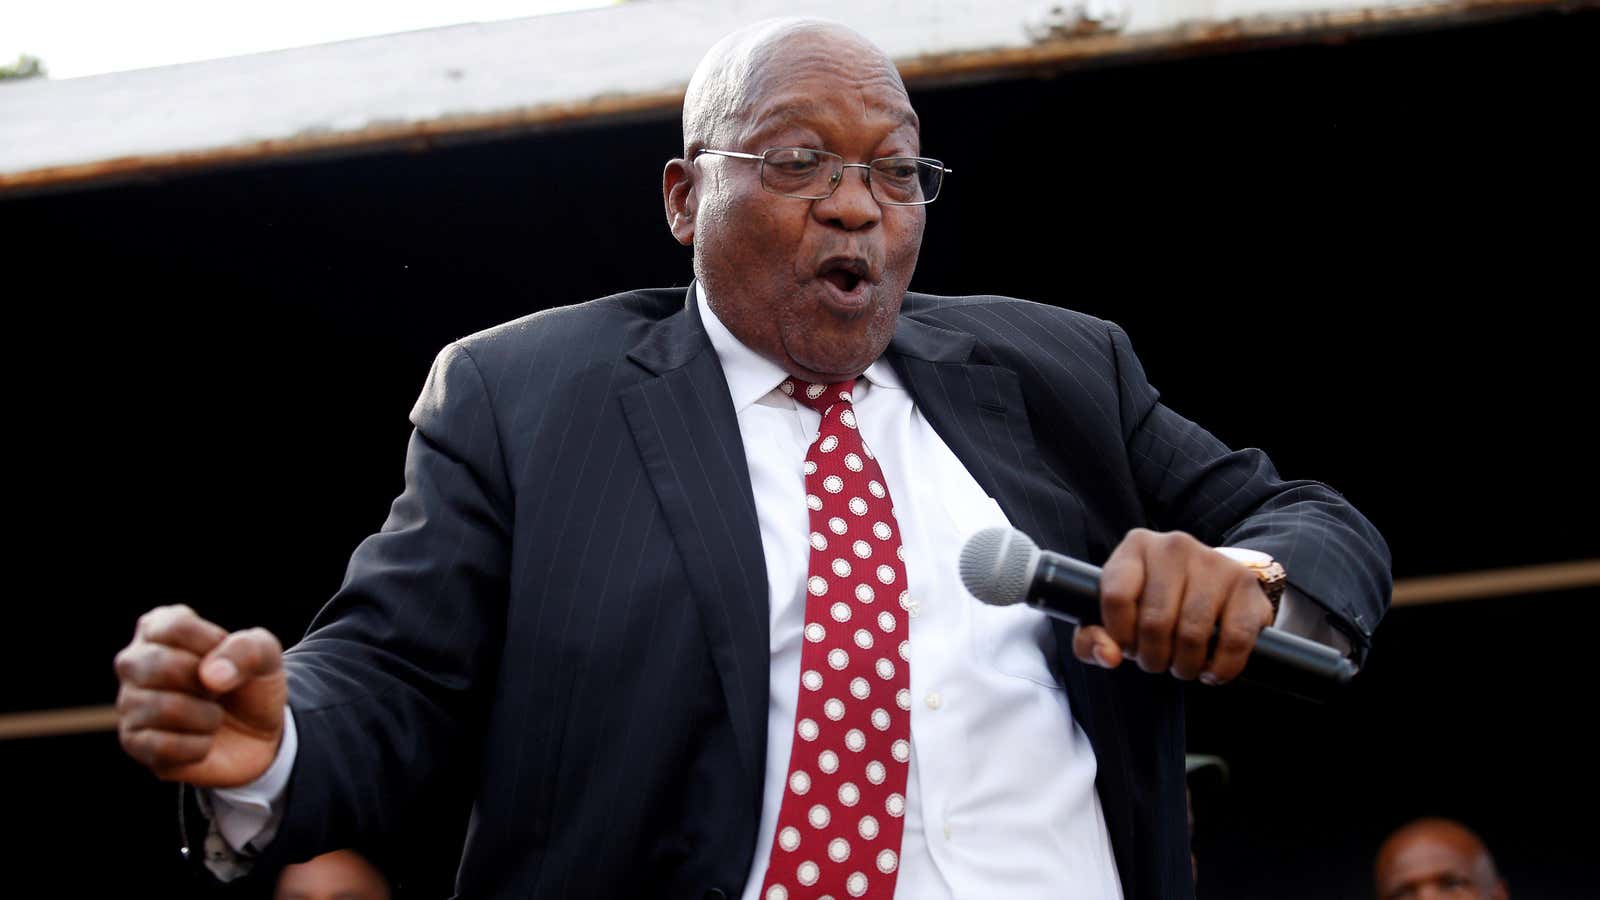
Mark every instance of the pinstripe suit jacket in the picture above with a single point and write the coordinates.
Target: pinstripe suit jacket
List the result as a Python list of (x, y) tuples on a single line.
[(569, 595)]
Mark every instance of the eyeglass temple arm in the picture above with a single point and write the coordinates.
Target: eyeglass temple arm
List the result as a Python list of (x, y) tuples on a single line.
[(733, 153)]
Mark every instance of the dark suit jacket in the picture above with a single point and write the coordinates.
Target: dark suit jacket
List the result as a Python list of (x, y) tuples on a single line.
[(570, 598)]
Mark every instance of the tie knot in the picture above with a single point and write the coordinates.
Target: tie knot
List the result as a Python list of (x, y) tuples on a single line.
[(818, 396)]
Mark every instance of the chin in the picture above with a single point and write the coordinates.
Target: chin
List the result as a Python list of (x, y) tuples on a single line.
[(841, 339), (838, 358)]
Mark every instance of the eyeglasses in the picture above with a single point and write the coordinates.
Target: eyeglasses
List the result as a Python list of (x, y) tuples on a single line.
[(815, 174)]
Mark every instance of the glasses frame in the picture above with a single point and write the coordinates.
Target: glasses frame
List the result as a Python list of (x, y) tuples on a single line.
[(839, 179)]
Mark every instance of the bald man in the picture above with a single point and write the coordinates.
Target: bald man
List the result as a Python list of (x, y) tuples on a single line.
[(339, 875), (662, 559), (1434, 859)]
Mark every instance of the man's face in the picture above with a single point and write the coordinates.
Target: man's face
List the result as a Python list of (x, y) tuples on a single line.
[(814, 285), (1428, 867)]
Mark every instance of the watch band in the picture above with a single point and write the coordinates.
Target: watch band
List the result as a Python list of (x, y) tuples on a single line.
[(1273, 579), (1269, 573)]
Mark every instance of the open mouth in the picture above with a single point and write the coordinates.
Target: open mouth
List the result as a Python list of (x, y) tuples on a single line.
[(844, 274)]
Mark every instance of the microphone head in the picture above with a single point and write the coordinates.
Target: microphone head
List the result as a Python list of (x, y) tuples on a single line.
[(997, 565)]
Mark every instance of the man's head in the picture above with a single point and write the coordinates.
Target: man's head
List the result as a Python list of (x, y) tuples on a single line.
[(340, 875), (1436, 858), (814, 285)]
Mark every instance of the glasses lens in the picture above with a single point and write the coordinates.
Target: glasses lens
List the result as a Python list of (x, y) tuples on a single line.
[(799, 172), (906, 179)]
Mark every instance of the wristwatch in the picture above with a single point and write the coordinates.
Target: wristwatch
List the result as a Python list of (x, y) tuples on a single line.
[(1268, 571)]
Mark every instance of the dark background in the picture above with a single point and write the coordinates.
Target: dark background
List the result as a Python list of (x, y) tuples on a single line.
[(1373, 258)]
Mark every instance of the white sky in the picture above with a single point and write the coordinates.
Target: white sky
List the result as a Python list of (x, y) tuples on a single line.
[(88, 37)]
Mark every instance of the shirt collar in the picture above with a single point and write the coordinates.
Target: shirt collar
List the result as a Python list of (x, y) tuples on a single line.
[(752, 376)]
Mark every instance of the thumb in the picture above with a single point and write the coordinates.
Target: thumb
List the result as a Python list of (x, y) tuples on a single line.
[(1094, 645), (241, 657)]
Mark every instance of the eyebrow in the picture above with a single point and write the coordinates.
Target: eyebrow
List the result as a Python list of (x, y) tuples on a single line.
[(800, 112)]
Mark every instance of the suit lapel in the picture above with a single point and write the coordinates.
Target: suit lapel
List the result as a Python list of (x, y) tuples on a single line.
[(687, 435), (979, 412)]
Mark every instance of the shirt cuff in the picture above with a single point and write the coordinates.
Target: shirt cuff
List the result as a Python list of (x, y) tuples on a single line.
[(248, 816), (1304, 618), (1297, 614)]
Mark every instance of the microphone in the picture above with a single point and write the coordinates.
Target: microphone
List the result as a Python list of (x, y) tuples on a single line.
[(1002, 566)]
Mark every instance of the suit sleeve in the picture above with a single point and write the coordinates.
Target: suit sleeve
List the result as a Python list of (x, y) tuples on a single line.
[(1190, 481), (388, 686)]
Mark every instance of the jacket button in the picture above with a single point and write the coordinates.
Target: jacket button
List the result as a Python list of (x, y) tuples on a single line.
[(716, 894)]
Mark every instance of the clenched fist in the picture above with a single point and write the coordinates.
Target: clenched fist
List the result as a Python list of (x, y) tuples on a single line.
[(198, 704), (1175, 605)]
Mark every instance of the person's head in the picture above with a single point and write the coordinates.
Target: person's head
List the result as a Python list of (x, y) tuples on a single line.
[(340, 875), (813, 285), (1436, 858)]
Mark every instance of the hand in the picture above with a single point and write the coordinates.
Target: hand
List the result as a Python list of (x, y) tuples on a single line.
[(198, 704), (1163, 596)]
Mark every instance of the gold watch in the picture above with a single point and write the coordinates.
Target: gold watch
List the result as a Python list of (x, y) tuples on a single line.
[(1268, 571)]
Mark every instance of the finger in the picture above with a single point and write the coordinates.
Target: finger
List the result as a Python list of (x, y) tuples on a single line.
[(1205, 592), (1093, 644), (167, 711), (180, 626), (1166, 572), (159, 667), (1247, 612), (162, 751), (240, 657), (1121, 582)]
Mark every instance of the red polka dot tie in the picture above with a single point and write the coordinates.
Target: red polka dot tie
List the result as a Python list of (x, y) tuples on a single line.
[(844, 804)]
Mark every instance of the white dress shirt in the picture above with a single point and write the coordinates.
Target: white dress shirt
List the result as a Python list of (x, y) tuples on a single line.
[(1000, 800)]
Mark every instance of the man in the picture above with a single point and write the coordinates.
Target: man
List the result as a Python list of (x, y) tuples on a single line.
[(1436, 858), (662, 558), (339, 875)]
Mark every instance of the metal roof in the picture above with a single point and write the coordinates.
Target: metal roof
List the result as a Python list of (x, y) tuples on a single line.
[(634, 59)]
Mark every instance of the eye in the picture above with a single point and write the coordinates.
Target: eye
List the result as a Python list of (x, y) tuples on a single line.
[(900, 168), (793, 161)]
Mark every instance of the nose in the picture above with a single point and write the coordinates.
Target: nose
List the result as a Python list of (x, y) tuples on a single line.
[(851, 206)]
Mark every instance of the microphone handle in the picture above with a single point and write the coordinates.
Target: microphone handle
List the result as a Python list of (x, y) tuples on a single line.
[(1280, 660)]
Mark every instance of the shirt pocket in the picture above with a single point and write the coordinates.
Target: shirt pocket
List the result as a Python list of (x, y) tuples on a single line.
[(1016, 641)]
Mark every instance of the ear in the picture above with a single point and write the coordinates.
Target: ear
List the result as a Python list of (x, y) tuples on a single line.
[(678, 194)]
